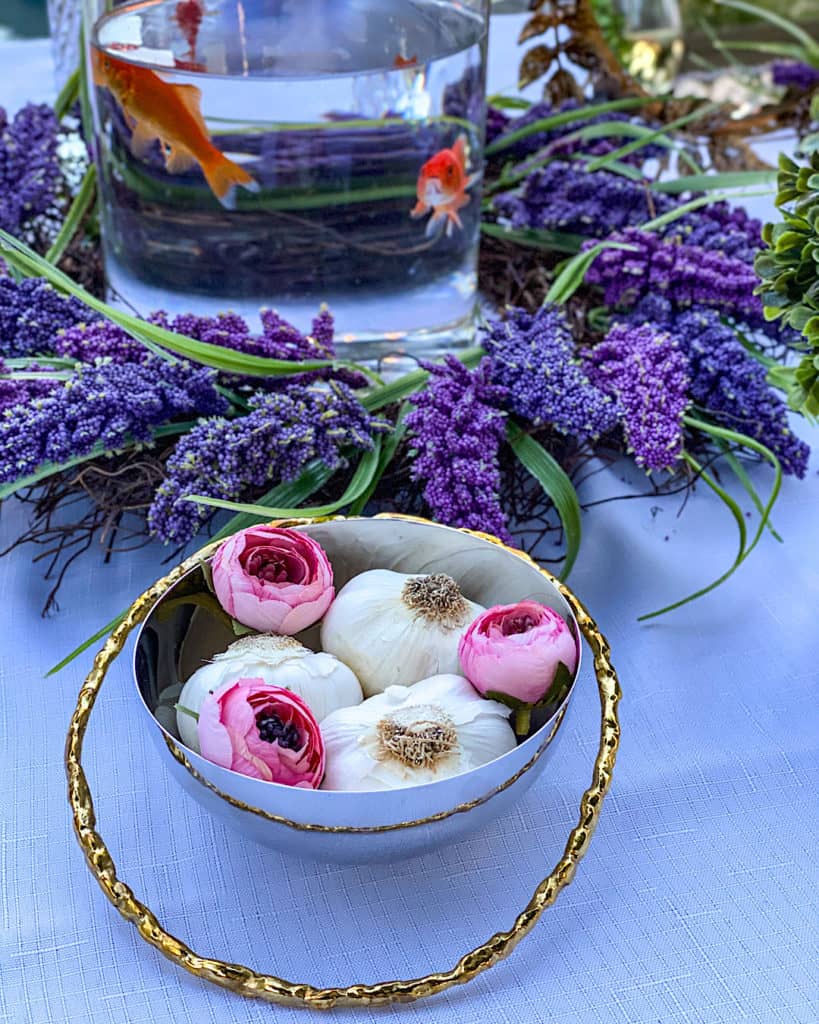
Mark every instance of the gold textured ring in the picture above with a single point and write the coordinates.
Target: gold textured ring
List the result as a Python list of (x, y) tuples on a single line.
[(250, 983)]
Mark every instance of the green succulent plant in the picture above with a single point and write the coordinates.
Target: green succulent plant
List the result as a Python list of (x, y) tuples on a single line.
[(789, 273)]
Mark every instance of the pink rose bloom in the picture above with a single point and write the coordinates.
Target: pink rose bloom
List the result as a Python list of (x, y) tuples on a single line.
[(515, 649), (272, 579), (262, 731)]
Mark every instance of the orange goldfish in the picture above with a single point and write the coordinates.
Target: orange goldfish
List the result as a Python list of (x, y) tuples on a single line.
[(157, 109), (404, 62), (442, 187)]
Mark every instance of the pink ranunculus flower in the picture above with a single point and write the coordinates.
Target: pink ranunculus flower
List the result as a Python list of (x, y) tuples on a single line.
[(273, 579), (515, 649), (262, 731)]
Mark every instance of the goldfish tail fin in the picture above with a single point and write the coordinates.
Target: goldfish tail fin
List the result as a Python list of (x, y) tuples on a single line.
[(459, 150), (434, 223), (223, 176)]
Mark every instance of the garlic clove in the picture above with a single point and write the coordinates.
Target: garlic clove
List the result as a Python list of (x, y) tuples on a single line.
[(394, 628), (323, 682)]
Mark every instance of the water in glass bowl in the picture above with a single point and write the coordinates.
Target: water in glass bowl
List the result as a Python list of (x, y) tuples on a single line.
[(287, 153)]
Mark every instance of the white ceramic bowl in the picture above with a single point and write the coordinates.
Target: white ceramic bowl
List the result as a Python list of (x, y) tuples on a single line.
[(178, 636)]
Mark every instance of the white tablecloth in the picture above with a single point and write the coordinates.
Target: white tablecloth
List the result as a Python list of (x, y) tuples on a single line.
[(697, 903)]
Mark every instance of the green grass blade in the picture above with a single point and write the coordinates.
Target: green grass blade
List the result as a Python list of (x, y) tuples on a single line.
[(76, 215), (739, 519), (228, 360), (784, 24), (710, 182), (733, 437), (535, 238), (573, 273), (388, 450), (398, 389), (739, 472), (68, 95), (695, 204), (632, 147), (790, 50), (365, 470), (554, 481), (288, 495), (508, 102), (103, 631), (567, 117), (737, 438)]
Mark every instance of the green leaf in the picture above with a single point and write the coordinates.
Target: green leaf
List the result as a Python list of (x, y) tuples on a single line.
[(109, 627), (388, 450), (733, 437), (632, 147), (573, 273), (709, 182), (791, 50), (787, 26), (535, 238), (567, 117), (554, 481), (186, 711), (695, 204), (76, 215), (507, 699), (508, 102), (739, 472), (398, 389), (736, 512), (365, 470), (69, 94)]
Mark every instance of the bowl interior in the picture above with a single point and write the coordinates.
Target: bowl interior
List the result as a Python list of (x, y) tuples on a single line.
[(186, 627)]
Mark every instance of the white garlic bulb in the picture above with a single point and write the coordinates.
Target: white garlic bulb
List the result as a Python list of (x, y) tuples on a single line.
[(393, 629), (321, 680), (411, 735)]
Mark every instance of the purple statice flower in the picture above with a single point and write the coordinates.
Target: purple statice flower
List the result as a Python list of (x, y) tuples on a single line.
[(106, 404), (17, 391), (99, 339), (719, 227), (726, 381), (279, 339), (533, 357), (238, 458), (29, 166), (565, 197), (31, 315), (794, 74), (685, 274), (497, 123), (457, 431), (645, 371)]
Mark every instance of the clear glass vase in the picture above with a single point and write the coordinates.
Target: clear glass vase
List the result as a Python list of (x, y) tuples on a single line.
[(288, 153)]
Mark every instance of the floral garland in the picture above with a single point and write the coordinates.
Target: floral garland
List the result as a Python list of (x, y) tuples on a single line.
[(651, 341)]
